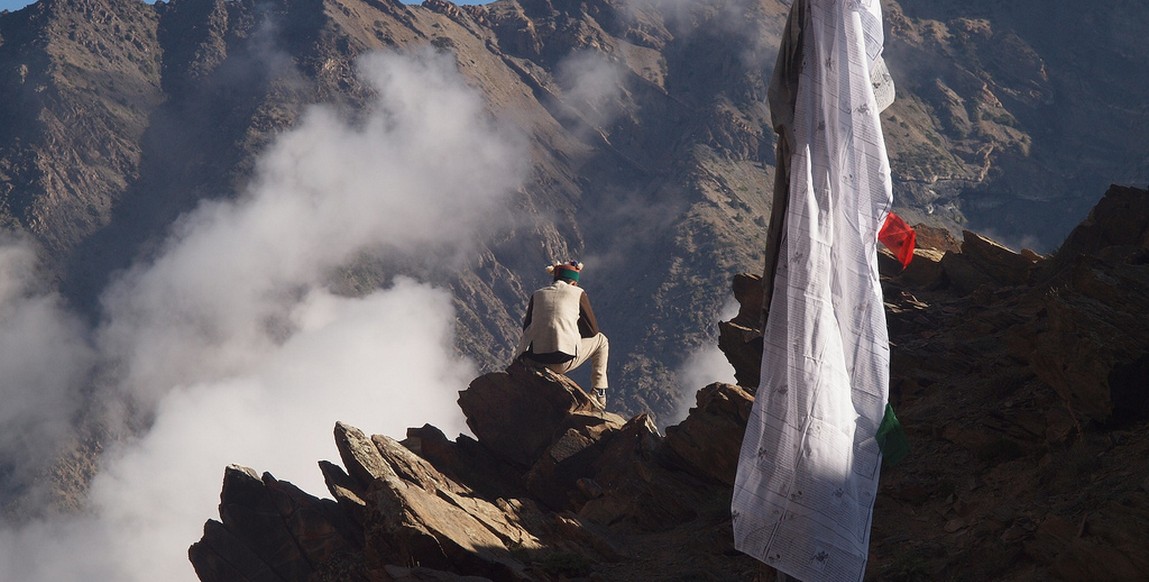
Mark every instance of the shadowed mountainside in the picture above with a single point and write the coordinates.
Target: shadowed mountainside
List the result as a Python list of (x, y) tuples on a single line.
[(651, 152)]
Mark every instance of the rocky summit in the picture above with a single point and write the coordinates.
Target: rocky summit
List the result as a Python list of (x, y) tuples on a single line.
[(1020, 379)]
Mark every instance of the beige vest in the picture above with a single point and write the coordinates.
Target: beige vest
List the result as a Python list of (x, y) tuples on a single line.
[(554, 320)]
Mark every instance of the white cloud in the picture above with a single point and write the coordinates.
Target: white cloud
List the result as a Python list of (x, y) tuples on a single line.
[(592, 84), (703, 367), (423, 172), (44, 357), (235, 349)]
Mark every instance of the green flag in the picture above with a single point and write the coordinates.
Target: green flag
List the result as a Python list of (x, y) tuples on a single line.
[(892, 439)]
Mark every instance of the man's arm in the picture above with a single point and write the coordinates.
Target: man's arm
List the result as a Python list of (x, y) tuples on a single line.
[(530, 309), (587, 324)]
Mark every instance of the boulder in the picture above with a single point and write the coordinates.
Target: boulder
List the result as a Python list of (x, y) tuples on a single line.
[(742, 347), (935, 238), (748, 292), (924, 271), (519, 413), (708, 440), (533, 419)]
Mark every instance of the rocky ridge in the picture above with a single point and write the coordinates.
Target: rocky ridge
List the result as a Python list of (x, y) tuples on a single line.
[(541, 493), (1020, 380)]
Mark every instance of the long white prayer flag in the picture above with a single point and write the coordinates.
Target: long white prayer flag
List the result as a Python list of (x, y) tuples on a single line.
[(809, 465)]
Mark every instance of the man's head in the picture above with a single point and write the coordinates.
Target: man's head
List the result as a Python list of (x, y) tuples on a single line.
[(568, 271)]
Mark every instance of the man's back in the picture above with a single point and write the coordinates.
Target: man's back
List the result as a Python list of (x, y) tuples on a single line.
[(553, 325)]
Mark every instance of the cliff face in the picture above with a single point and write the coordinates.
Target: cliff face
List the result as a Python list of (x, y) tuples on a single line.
[(1020, 381), (79, 81), (649, 141)]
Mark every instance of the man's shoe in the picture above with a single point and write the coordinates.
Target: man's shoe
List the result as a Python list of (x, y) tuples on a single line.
[(599, 397)]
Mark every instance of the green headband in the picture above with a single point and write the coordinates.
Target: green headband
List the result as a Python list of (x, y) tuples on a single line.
[(568, 274)]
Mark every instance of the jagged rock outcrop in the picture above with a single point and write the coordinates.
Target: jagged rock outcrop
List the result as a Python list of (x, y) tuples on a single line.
[(1022, 384), (270, 530), (559, 488), (1022, 397), (710, 437), (1089, 334), (412, 514), (1027, 424), (741, 337)]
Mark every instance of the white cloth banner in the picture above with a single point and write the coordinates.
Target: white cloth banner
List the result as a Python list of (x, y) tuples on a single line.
[(809, 465)]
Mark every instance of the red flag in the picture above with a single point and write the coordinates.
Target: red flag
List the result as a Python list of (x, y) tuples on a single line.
[(899, 238)]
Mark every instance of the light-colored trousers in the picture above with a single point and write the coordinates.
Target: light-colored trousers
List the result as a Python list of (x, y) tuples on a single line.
[(596, 349)]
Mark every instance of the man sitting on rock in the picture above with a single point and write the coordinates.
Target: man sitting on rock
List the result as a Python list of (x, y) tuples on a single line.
[(560, 331)]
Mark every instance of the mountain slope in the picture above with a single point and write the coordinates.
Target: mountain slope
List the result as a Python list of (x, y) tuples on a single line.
[(650, 153)]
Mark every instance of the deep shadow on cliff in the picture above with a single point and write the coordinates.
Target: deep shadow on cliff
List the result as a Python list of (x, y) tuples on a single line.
[(1022, 381)]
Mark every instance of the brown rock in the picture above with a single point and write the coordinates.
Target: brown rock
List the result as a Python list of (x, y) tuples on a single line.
[(466, 461), (748, 292), (519, 413), (417, 515), (247, 510), (1117, 229), (415, 471), (709, 439), (985, 262), (936, 239), (553, 479), (742, 347), (364, 463), (639, 488), (1000, 264), (740, 339), (221, 556), (925, 270), (322, 532), (1090, 339), (270, 530), (344, 489)]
